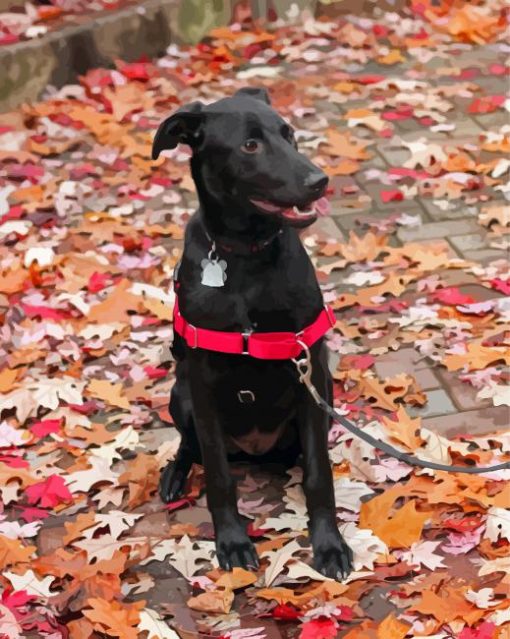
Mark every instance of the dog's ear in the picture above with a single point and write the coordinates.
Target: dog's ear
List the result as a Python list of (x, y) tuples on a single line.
[(185, 126), (259, 93)]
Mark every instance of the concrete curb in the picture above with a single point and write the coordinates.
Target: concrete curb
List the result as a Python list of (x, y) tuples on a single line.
[(141, 28), (58, 57)]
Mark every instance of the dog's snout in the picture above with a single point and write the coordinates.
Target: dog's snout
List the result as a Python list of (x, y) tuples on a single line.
[(316, 181)]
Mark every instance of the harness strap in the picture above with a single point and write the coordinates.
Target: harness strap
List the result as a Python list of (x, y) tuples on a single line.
[(275, 345)]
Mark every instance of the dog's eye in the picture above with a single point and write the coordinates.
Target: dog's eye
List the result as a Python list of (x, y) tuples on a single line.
[(252, 146)]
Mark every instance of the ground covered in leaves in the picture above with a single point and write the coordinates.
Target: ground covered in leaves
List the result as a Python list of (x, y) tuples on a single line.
[(409, 118)]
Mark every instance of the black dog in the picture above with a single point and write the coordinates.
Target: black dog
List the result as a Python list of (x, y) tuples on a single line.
[(254, 189)]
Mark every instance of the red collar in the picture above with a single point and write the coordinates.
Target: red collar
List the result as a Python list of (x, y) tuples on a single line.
[(277, 345)]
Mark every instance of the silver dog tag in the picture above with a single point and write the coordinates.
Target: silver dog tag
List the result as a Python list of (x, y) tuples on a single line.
[(213, 272)]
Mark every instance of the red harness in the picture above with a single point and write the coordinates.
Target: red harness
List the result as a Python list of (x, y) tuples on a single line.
[(277, 345)]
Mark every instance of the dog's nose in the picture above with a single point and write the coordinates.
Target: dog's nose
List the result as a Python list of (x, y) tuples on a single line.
[(316, 181)]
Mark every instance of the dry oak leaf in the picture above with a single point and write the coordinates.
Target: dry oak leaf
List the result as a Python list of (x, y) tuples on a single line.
[(115, 307), (7, 379), (216, 601), (237, 578), (142, 477), (476, 357), (109, 392), (448, 605), (399, 531), (345, 145), (364, 248), (392, 628), (155, 626), (113, 618), (405, 430), (77, 564), (74, 529), (386, 393), (12, 552), (344, 167), (394, 285)]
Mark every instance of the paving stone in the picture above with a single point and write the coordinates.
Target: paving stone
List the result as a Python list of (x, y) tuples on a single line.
[(468, 242), (456, 209), (492, 120), (350, 221), (462, 393), (437, 229), (472, 422), (438, 403), (406, 360), (484, 256)]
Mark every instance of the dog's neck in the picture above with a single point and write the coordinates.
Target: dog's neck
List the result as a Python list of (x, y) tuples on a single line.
[(233, 230), (235, 242)]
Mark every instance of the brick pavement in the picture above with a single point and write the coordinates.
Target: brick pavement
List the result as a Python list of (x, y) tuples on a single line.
[(452, 407)]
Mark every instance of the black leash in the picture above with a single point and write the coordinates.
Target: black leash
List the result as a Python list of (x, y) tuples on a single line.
[(304, 367)]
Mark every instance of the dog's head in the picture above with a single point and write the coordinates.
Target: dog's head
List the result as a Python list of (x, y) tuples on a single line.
[(245, 158)]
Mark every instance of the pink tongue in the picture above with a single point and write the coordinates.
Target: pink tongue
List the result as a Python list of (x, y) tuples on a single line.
[(322, 206)]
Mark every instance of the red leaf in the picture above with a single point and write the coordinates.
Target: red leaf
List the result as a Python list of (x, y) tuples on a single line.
[(179, 503), (503, 286), (487, 104), (286, 612), (346, 613), (391, 196), (46, 427), (155, 373), (49, 493), (33, 514), (360, 362), (451, 296), (97, 281), (13, 462), (484, 631), (44, 312), (319, 629)]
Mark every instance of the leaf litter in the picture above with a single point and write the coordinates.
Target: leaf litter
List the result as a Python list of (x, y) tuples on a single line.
[(91, 229)]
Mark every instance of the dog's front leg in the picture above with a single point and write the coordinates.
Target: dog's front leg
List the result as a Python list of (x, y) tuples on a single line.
[(332, 556), (233, 546)]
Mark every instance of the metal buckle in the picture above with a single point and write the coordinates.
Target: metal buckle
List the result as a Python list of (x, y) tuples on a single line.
[(195, 335), (246, 335)]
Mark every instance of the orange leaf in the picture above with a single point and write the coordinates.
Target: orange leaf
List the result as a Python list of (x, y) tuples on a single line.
[(345, 145), (398, 531), (404, 429), (12, 551), (391, 628), (75, 528), (238, 578), (114, 618)]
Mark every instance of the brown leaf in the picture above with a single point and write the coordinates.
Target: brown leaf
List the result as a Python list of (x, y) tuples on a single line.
[(219, 601)]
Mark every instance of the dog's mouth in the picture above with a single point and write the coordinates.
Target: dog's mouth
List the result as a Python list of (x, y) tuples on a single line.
[(296, 215)]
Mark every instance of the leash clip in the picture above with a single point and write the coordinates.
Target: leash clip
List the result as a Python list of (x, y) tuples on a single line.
[(304, 367)]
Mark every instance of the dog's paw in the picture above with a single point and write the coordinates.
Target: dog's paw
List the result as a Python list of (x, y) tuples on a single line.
[(172, 482), (333, 558), (234, 548)]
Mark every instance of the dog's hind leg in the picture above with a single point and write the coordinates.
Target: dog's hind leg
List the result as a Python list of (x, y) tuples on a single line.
[(174, 475)]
